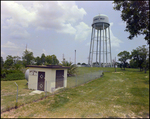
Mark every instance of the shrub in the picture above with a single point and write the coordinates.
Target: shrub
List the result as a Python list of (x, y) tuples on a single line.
[(9, 75), (72, 70), (14, 76)]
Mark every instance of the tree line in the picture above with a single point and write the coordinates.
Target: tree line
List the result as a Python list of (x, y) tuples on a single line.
[(15, 62), (13, 68), (139, 58)]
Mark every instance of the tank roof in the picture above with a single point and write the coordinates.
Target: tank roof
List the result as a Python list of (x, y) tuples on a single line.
[(101, 15), (49, 66)]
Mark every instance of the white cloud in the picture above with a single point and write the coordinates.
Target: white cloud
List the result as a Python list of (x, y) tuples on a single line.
[(10, 45), (11, 49), (67, 28), (115, 42), (83, 31), (16, 13), (71, 11), (20, 34), (16, 50), (60, 16)]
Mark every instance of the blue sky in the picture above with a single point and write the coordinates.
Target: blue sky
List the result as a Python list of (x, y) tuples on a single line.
[(59, 27)]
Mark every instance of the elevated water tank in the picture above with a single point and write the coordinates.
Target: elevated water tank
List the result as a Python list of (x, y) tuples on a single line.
[(27, 74), (99, 21), (100, 37)]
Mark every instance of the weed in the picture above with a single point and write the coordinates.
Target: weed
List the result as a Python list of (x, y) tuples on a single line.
[(7, 107), (16, 105)]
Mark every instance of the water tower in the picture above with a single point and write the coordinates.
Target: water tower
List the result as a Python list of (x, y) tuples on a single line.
[(100, 46)]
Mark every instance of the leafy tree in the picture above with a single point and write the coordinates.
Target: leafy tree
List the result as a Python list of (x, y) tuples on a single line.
[(17, 66), (55, 61), (83, 63), (72, 70), (9, 62), (146, 65), (136, 16), (133, 64), (140, 56), (27, 57), (48, 59), (17, 63), (2, 62), (38, 60), (43, 58), (78, 63), (16, 59), (124, 56)]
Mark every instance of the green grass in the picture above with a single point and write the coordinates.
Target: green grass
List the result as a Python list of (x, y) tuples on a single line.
[(9, 94), (83, 75), (120, 94)]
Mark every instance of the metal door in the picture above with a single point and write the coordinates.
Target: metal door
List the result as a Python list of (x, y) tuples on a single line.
[(59, 78), (41, 81)]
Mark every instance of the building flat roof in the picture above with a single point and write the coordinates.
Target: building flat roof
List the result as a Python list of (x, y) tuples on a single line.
[(48, 66)]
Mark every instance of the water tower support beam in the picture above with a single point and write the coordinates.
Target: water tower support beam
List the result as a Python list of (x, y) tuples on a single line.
[(97, 47), (100, 50), (103, 44), (90, 48), (106, 45), (110, 47), (93, 47)]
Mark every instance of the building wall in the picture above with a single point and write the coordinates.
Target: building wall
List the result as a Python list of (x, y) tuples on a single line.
[(54, 79), (32, 81), (50, 77)]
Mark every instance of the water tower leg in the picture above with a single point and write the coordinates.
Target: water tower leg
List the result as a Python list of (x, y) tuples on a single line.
[(93, 47), (110, 47), (100, 50), (103, 45), (97, 47), (90, 48), (106, 45)]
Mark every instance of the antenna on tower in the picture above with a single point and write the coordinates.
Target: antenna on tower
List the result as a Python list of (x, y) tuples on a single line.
[(26, 46), (63, 58)]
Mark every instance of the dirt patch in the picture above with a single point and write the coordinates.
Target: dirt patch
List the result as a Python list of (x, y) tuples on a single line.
[(117, 106), (22, 95), (120, 80), (6, 94), (117, 72)]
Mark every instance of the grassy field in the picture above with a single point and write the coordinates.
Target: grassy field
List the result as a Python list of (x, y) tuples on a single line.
[(9, 90), (9, 93), (116, 94)]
